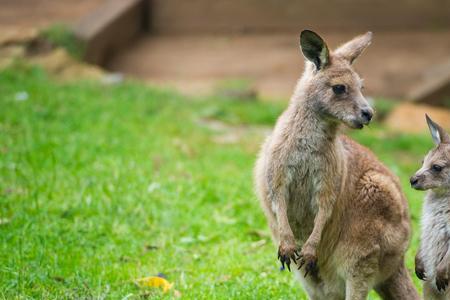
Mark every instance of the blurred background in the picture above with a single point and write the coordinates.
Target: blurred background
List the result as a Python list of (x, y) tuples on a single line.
[(195, 46), (129, 130)]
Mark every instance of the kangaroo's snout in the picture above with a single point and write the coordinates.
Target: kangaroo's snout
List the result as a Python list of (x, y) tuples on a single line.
[(367, 114), (415, 182), (364, 117)]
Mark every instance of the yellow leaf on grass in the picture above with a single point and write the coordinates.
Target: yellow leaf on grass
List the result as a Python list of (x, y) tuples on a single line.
[(154, 281)]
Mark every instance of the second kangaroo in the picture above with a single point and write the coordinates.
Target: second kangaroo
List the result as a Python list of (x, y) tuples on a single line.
[(433, 257), (331, 205)]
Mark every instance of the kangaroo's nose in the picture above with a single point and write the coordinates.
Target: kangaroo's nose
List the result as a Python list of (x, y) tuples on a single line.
[(367, 114), (414, 180)]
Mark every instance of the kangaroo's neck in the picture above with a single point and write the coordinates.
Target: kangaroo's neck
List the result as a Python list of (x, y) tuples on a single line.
[(439, 195), (306, 126)]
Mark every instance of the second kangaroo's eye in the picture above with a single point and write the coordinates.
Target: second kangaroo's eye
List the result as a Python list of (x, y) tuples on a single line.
[(339, 89), (436, 168)]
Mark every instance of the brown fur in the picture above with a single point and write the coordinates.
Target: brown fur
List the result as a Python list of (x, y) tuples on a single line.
[(329, 196)]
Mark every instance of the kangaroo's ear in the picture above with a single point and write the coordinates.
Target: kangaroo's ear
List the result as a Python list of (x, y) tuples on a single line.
[(352, 49), (437, 132), (314, 48)]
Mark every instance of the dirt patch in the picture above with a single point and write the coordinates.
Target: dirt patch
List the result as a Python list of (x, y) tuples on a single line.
[(60, 64), (30, 47)]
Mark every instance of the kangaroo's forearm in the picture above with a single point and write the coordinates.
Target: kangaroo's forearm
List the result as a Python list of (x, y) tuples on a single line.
[(419, 253), (445, 262), (319, 223), (284, 229), (326, 204), (279, 191)]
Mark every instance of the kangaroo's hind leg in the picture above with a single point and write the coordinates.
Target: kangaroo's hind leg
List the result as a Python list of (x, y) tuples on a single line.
[(356, 288), (398, 287), (361, 274)]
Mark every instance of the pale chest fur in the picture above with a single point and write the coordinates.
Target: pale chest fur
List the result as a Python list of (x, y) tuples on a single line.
[(305, 175), (435, 238), (306, 167)]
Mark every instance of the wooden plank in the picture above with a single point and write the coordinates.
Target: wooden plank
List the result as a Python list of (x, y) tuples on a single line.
[(110, 27), (435, 88)]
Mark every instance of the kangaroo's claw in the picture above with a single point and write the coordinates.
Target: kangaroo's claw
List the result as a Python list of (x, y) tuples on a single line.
[(310, 264), (420, 274), (286, 258), (441, 284)]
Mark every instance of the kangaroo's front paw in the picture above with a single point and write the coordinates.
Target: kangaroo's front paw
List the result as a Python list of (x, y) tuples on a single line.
[(420, 270), (287, 251), (308, 258), (441, 279)]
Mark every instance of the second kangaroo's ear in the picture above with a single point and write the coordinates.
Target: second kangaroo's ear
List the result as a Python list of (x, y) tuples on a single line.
[(437, 132), (314, 48), (352, 49)]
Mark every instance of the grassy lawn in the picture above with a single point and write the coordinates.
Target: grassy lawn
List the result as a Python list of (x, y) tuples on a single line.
[(100, 185)]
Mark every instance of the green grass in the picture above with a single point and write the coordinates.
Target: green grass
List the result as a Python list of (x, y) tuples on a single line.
[(100, 185)]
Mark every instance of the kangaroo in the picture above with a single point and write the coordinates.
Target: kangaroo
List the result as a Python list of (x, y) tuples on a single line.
[(332, 207), (433, 257)]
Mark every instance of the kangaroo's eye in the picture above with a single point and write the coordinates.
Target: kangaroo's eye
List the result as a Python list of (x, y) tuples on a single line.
[(338, 89), (436, 168)]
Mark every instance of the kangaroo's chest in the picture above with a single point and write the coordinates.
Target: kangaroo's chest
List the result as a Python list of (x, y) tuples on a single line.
[(435, 237), (305, 174)]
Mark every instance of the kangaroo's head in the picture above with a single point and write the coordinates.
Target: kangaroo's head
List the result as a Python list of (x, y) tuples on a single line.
[(330, 83), (435, 170)]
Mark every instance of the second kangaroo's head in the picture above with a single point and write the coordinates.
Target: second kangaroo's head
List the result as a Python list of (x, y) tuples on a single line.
[(330, 84), (435, 170)]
